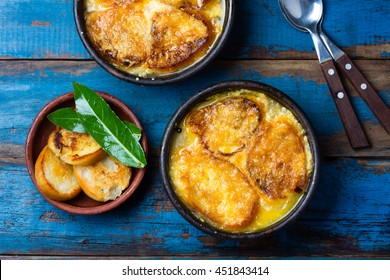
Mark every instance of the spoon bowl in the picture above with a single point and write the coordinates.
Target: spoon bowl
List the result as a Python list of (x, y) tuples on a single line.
[(303, 15), (307, 16)]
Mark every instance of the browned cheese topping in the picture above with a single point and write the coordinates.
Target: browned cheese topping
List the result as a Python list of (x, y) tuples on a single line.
[(217, 189), (152, 37), (277, 160), (241, 161), (226, 127), (176, 35)]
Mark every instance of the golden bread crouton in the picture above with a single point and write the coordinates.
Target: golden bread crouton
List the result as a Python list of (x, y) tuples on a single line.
[(215, 188), (54, 177), (75, 148), (175, 36), (225, 127), (277, 161), (104, 180), (119, 34)]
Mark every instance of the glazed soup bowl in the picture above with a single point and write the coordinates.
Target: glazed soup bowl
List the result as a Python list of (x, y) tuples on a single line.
[(239, 160), (168, 59)]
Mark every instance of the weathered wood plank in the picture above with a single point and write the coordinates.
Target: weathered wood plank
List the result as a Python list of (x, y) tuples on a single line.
[(348, 216), (26, 86), (262, 32), (46, 29)]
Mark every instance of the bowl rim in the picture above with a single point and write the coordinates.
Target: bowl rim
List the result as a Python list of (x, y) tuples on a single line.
[(137, 174), (78, 12), (275, 94)]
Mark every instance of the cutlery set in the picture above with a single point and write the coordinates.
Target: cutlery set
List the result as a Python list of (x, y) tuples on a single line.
[(307, 16)]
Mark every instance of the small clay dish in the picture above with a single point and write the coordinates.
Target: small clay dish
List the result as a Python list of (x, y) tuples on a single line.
[(37, 139), (179, 75), (174, 127)]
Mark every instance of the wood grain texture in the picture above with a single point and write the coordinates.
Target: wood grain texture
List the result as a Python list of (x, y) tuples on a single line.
[(365, 90), (45, 29), (348, 117), (37, 82), (349, 216), (336, 223)]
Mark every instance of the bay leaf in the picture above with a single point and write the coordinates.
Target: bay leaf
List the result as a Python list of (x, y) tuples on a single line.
[(106, 128), (137, 132), (68, 119)]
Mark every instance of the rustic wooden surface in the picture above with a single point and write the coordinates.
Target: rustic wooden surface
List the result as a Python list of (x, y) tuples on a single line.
[(349, 216)]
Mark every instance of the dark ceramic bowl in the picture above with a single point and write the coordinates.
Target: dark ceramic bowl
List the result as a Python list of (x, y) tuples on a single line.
[(78, 10), (37, 139), (201, 96)]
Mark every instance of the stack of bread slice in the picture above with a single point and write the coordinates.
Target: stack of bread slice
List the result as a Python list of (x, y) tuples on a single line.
[(73, 162)]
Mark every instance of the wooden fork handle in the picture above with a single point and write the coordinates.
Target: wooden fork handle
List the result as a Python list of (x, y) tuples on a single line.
[(354, 130), (366, 91)]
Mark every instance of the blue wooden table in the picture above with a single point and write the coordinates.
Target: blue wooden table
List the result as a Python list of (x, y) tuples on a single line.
[(349, 216)]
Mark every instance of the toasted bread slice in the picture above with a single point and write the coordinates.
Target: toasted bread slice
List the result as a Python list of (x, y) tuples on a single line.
[(227, 126), (175, 36), (119, 34), (75, 148), (215, 188), (277, 161), (103, 181), (54, 177)]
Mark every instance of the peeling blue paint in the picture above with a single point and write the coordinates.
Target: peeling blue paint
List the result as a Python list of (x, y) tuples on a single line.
[(60, 39), (349, 214), (385, 54)]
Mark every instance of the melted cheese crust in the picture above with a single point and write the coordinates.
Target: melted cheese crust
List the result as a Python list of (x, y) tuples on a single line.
[(266, 160), (151, 38), (215, 188)]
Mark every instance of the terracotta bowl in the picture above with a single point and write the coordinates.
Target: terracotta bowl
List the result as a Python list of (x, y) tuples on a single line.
[(37, 140), (201, 96), (78, 10)]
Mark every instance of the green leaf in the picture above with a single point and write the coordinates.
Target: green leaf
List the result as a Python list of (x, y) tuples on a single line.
[(67, 118), (137, 132), (106, 128)]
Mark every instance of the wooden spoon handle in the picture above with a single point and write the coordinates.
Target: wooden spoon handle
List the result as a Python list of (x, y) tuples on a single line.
[(366, 91), (354, 130)]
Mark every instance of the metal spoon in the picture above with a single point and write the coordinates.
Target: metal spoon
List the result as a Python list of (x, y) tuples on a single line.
[(306, 15)]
